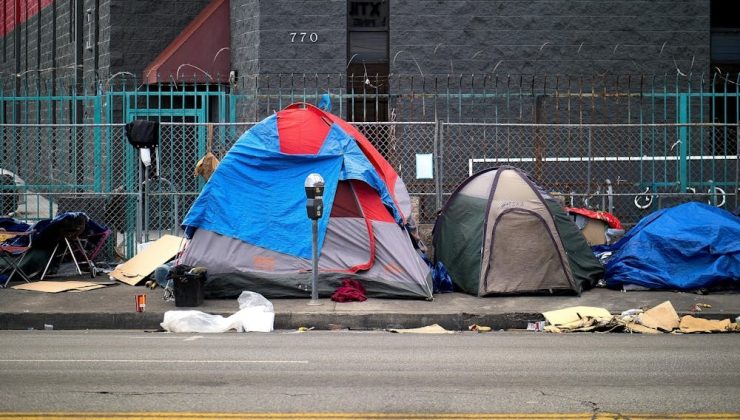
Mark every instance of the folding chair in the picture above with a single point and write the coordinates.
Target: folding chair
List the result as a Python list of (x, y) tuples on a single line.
[(13, 250), (63, 231)]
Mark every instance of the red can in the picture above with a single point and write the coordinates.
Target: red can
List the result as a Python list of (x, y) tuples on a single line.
[(140, 303)]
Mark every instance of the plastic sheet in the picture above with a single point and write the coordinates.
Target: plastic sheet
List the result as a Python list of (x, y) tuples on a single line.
[(255, 314)]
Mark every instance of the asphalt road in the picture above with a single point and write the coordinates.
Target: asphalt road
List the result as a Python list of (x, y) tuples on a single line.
[(378, 372)]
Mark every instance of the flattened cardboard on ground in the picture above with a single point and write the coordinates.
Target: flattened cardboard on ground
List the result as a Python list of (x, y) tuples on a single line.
[(563, 317), (634, 327), (690, 324), (58, 286), (430, 329), (143, 264), (662, 317)]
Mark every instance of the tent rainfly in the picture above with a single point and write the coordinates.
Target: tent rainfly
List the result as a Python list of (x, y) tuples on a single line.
[(249, 226), (500, 233)]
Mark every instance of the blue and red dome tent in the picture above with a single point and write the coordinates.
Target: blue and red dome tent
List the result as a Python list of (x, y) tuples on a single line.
[(249, 227)]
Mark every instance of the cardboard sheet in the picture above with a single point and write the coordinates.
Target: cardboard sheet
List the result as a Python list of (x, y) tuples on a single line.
[(563, 317), (690, 324), (431, 329), (58, 286), (634, 327), (143, 264), (662, 317)]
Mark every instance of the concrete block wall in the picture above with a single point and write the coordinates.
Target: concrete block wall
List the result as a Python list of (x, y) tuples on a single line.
[(282, 52), (549, 37), (142, 29), (245, 43)]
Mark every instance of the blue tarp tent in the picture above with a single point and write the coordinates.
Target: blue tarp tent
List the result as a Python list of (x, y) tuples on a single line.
[(249, 227), (687, 247)]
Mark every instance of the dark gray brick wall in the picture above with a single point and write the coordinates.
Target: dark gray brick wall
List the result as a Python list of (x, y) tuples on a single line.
[(549, 36), (142, 29)]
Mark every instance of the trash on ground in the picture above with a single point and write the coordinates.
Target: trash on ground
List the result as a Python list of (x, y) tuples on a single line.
[(537, 326), (479, 328), (635, 327), (662, 317), (304, 329), (430, 329), (59, 286), (690, 324), (632, 312), (255, 314), (657, 320), (143, 264), (574, 316)]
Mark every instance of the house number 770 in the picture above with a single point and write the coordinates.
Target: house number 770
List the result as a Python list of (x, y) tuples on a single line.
[(304, 37)]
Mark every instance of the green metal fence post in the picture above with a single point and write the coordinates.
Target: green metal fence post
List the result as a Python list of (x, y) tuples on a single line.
[(683, 145)]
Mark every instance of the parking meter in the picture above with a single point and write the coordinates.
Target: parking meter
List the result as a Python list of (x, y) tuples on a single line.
[(314, 187)]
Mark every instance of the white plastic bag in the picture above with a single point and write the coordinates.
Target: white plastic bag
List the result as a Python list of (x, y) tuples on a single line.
[(255, 314), (198, 322), (254, 300)]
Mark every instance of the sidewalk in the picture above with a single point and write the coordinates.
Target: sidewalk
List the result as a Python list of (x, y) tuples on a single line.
[(113, 308)]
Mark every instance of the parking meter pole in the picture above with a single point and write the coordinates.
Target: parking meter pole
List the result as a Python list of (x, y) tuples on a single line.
[(315, 272), (314, 186)]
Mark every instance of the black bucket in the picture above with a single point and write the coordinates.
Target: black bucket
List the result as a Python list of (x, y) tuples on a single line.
[(188, 285)]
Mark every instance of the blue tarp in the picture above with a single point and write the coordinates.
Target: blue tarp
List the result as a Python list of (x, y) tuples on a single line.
[(687, 247), (256, 193)]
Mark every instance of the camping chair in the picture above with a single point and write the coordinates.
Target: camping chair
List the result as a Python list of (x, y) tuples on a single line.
[(62, 232), (13, 250)]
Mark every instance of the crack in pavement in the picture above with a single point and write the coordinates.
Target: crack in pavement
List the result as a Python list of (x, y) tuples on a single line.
[(594, 406)]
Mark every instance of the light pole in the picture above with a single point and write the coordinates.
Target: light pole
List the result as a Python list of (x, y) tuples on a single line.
[(314, 186)]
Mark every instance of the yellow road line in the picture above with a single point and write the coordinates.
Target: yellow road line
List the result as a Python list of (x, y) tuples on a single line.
[(340, 416)]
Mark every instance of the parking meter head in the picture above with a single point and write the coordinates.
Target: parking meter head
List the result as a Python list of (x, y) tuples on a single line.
[(314, 186)]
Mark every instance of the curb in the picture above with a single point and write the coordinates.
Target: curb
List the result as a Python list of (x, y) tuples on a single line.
[(283, 321), (287, 321)]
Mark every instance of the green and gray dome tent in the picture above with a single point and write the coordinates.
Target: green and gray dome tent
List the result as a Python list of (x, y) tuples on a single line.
[(500, 233)]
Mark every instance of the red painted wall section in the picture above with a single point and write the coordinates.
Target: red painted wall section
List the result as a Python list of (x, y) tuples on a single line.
[(15, 12)]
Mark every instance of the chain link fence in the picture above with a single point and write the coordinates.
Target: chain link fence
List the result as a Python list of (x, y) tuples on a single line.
[(627, 169)]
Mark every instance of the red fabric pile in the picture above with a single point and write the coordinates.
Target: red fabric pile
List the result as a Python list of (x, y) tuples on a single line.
[(350, 290)]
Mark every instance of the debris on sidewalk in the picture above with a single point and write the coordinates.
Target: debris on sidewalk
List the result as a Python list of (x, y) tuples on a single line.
[(255, 314), (430, 329), (537, 326), (698, 307), (145, 262), (662, 317), (60, 286), (656, 320), (576, 318), (690, 324), (479, 328)]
